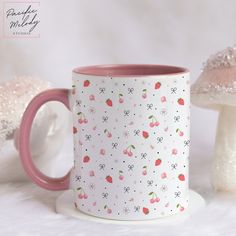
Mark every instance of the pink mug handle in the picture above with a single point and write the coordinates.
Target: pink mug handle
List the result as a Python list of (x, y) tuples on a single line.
[(60, 95)]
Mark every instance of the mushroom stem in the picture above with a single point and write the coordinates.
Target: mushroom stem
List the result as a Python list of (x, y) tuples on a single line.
[(224, 163)]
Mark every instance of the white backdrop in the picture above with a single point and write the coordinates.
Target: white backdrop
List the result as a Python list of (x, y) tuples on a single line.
[(81, 32)]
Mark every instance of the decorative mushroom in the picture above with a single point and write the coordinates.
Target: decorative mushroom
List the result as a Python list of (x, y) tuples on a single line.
[(216, 89)]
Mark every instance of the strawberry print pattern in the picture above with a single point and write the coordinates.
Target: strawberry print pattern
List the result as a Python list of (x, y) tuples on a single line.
[(131, 145)]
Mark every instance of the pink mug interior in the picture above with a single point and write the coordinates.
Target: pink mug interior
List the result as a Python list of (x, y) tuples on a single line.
[(120, 70)]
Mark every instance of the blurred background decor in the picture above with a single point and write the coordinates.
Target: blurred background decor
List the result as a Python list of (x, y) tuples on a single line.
[(47, 134)]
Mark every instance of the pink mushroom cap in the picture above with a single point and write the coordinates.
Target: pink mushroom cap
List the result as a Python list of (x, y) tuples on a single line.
[(216, 85)]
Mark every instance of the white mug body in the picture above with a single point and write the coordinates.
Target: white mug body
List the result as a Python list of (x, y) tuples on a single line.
[(131, 142)]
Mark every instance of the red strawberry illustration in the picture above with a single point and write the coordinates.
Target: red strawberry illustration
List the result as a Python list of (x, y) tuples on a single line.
[(86, 159), (158, 162), (75, 130), (145, 210), (181, 177), (109, 102), (86, 83), (109, 179), (181, 101), (157, 85), (145, 134)]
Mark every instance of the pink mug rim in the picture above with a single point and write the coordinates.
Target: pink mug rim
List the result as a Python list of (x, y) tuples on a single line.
[(127, 70)]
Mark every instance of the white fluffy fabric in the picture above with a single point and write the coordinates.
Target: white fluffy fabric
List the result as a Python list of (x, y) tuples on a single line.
[(25, 209)]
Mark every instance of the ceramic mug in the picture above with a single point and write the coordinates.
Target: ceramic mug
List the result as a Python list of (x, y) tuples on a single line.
[(131, 140)]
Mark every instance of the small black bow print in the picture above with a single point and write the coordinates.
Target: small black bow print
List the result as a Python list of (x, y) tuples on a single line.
[(130, 90), (143, 155), (126, 189), (136, 132), (101, 166), (163, 112), (104, 195), (77, 178), (149, 183), (114, 145), (174, 166), (130, 167), (78, 103), (159, 139), (149, 106), (176, 118), (186, 143), (173, 90), (88, 137), (102, 90), (177, 194), (136, 208), (126, 112), (104, 119)]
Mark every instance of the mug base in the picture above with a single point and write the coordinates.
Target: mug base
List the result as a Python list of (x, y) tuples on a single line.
[(65, 206)]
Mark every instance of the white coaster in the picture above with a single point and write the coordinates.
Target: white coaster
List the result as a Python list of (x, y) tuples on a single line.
[(65, 206)]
